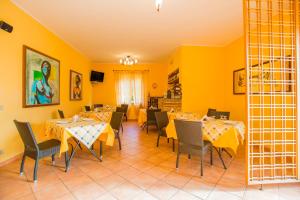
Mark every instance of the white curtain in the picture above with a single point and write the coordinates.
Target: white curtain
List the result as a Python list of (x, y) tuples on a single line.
[(131, 87)]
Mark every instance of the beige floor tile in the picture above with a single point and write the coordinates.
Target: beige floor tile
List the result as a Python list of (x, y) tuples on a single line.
[(183, 195), (162, 190), (176, 179), (129, 173), (220, 195), (143, 180), (199, 188), (52, 192), (110, 182), (88, 191), (126, 190), (158, 172)]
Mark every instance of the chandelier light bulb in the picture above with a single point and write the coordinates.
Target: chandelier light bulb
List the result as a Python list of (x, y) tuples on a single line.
[(128, 60), (158, 4)]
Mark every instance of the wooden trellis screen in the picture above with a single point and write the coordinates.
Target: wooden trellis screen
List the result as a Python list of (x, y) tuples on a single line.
[(271, 33)]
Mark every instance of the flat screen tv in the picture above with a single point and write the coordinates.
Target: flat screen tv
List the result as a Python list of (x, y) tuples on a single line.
[(97, 76)]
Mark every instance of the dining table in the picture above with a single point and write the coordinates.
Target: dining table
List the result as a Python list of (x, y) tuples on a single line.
[(223, 134), (85, 131)]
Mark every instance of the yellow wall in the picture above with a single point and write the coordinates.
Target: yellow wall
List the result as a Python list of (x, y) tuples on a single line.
[(234, 59), (104, 93), (206, 77), (29, 32)]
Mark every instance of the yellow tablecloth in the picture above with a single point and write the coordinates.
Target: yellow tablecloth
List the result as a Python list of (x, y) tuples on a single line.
[(57, 131), (100, 116), (221, 133)]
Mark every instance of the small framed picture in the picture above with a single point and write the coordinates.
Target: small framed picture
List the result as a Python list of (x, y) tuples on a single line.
[(239, 81), (75, 86)]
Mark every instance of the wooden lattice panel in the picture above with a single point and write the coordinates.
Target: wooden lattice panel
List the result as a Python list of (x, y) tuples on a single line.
[(271, 90)]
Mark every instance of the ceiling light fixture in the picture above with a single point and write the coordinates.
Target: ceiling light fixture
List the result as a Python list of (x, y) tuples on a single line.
[(128, 60), (158, 4)]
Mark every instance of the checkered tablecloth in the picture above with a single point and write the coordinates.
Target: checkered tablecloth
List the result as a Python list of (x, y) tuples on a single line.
[(100, 116), (87, 132)]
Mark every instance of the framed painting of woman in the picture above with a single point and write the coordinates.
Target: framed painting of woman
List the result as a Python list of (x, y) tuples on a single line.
[(41, 79), (75, 86)]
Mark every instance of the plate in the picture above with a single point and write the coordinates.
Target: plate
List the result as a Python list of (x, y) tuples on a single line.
[(87, 119), (62, 122)]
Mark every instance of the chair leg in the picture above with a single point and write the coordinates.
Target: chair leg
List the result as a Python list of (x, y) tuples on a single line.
[(189, 156), (22, 164), (173, 143), (220, 156), (101, 151), (120, 147), (177, 160), (122, 127), (147, 127), (201, 163), (157, 143), (168, 140), (36, 164), (211, 155), (53, 159)]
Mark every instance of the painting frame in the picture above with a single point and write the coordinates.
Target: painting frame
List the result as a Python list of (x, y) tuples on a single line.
[(72, 98), (26, 83), (236, 85)]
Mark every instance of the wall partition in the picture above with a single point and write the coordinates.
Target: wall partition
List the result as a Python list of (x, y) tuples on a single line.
[(271, 36)]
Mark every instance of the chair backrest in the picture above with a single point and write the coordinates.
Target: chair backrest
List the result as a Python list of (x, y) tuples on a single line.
[(125, 107), (151, 115), (119, 109), (116, 120), (87, 108), (98, 105), (26, 134), (211, 112), (189, 132), (222, 115), (162, 119), (61, 114)]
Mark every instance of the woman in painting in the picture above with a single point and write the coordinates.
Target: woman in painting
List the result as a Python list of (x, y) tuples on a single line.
[(41, 90), (77, 88)]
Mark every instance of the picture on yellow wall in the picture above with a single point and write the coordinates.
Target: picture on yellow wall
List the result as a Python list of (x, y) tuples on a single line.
[(75, 86), (239, 81), (41, 79)]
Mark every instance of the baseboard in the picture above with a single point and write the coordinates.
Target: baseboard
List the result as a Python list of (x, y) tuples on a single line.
[(14, 158)]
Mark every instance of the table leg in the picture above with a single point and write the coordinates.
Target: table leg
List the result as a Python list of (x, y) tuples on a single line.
[(101, 150), (94, 154), (220, 156), (67, 161)]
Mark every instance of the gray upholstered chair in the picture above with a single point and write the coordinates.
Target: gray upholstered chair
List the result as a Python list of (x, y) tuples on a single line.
[(162, 122), (61, 114), (190, 141), (125, 109), (151, 117), (87, 108), (33, 149), (115, 123)]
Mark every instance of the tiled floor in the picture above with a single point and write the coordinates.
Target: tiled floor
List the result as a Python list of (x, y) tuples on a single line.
[(139, 171)]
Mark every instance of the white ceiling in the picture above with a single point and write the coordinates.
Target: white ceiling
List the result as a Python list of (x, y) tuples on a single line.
[(106, 30)]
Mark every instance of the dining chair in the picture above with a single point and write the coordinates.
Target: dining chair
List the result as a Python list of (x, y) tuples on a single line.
[(120, 109), (115, 123), (162, 122), (61, 114), (211, 112), (190, 141), (125, 109), (98, 106), (151, 117), (33, 149), (87, 108)]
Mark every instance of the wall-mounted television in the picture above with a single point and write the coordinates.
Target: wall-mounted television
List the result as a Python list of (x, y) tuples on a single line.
[(97, 76)]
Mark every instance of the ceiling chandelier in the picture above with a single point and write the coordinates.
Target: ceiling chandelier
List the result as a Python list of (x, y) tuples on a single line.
[(128, 60), (158, 4)]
